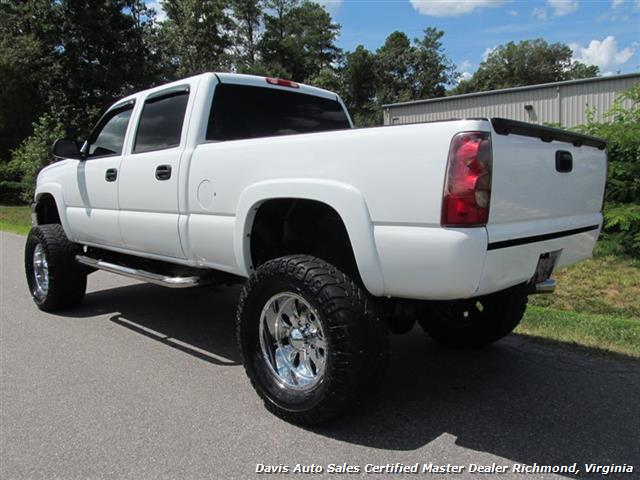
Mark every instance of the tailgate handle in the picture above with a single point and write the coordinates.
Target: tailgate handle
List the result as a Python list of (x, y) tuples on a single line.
[(564, 161)]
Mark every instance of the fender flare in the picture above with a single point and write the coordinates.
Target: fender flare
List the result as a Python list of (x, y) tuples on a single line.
[(346, 200), (55, 191)]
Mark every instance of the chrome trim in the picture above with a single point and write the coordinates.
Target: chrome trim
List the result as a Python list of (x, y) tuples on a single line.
[(548, 286), (150, 277), (292, 341), (40, 272)]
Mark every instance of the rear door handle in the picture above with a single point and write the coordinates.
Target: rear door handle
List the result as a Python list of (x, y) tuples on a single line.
[(111, 174), (163, 172)]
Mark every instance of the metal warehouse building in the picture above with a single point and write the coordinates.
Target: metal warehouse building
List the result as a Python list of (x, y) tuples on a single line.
[(565, 103)]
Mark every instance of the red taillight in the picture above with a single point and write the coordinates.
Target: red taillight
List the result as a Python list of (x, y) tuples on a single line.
[(282, 83), (467, 187)]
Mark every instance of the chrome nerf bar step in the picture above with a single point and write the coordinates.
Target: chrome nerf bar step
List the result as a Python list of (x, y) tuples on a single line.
[(155, 278)]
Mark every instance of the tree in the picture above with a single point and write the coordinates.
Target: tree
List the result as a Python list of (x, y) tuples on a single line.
[(56, 58), (528, 62), (359, 87), (63, 62), (621, 129), (27, 160), (274, 45), (26, 46), (298, 39), (393, 62), (432, 69), (247, 17), (400, 70), (98, 57), (409, 71), (328, 78), (195, 36)]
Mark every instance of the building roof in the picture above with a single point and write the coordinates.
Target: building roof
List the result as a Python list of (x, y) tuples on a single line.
[(516, 89)]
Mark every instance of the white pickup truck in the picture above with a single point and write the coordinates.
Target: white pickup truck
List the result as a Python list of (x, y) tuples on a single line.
[(342, 233)]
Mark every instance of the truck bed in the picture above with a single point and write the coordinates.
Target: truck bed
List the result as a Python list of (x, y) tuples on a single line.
[(398, 172)]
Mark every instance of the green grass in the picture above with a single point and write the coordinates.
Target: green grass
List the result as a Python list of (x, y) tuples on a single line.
[(15, 219), (605, 285), (596, 304), (605, 333)]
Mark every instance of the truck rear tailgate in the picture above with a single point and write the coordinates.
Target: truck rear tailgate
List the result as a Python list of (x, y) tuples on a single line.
[(546, 195)]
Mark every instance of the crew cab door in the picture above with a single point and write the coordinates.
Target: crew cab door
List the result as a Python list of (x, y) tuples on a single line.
[(92, 199), (148, 190)]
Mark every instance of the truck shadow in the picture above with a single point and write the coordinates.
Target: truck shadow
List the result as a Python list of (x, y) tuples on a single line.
[(197, 321), (520, 400)]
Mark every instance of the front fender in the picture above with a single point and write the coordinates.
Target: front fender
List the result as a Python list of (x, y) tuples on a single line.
[(346, 200), (55, 190)]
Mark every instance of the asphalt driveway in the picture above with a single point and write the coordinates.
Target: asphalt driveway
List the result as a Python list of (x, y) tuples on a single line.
[(145, 382)]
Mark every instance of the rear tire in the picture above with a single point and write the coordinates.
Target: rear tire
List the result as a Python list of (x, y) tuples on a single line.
[(56, 281), (344, 333), (478, 321)]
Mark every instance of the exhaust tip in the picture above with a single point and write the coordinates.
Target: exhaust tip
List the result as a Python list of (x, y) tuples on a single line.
[(548, 286)]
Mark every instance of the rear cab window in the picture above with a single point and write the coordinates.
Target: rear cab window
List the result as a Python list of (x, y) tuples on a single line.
[(160, 125), (243, 111)]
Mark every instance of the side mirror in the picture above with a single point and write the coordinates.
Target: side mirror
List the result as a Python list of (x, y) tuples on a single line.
[(67, 149)]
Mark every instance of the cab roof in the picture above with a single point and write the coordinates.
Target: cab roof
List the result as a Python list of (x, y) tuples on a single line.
[(232, 78)]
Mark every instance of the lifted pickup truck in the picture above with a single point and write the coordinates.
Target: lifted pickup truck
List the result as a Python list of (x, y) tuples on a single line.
[(342, 233)]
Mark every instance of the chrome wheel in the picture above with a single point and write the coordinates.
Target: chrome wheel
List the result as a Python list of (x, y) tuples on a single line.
[(292, 341), (40, 272)]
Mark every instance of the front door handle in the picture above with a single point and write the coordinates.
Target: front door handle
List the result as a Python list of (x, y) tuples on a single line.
[(163, 172), (111, 174)]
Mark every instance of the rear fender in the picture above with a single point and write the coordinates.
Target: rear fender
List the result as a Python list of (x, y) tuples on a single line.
[(347, 201)]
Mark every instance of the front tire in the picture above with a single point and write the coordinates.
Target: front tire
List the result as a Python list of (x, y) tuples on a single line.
[(55, 280), (476, 322), (310, 339)]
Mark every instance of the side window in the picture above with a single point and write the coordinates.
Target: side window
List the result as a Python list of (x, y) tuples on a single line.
[(161, 122), (108, 137)]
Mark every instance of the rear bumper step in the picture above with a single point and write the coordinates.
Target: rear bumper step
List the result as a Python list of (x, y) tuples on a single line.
[(150, 277)]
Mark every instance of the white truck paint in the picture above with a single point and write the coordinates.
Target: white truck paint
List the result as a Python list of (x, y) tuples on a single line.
[(385, 183)]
